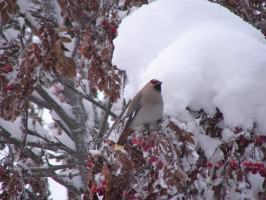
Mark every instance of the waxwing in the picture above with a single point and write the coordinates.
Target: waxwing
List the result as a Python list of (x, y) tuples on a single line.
[(145, 108)]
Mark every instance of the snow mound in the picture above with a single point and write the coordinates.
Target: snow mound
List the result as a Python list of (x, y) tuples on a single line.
[(205, 55)]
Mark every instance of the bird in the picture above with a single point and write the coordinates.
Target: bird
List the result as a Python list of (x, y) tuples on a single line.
[(144, 109)]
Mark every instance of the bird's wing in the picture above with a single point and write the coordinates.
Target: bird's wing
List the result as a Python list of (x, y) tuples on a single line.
[(134, 106), (132, 110)]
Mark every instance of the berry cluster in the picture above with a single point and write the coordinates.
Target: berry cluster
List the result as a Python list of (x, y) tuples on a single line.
[(249, 166), (110, 28), (98, 188), (244, 141), (6, 68)]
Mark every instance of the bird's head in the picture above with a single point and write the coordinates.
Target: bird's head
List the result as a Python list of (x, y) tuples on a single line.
[(156, 84)]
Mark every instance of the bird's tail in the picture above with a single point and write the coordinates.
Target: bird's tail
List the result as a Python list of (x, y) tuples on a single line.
[(125, 133)]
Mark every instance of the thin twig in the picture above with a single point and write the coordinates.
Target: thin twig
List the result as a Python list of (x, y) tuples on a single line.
[(40, 102), (58, 178), (51, 168), (90, 99), (3, 36), (137, 173), (76, 47), (117, 119), (65, 129), (49, 145), (104, 121), (27, 151), (52, 145), (25, 130), (58, 109)]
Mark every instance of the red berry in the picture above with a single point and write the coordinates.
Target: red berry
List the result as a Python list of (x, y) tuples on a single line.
[(104, 23), (113, 29), (135, 141), (103, 183), (10, 87), (146, 147), (101, 191), (94, 189), (234, 164), (263, 172), (125, 194), (259, 165), (254, 171), (89, 164), (243, 141), (160, 164), (246, 163), (258, 141), (2, 171), (152, 159), (209, 165), (7, 68), (263, 138), (219, 164)]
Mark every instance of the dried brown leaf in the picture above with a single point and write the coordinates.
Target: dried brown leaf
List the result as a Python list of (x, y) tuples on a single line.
[(184, 136), (128, 164), (65, 39), (60, 29), (69, 70)]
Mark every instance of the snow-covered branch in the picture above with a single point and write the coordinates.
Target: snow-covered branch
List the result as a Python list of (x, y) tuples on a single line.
[(90, 99), (72, 125)]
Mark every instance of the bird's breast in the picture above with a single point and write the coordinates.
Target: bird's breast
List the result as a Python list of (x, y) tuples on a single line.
[(147, 114)]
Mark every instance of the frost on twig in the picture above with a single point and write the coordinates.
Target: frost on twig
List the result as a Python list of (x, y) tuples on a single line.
[(152, 165)]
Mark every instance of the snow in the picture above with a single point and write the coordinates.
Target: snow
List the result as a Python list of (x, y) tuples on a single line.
[(10, 33), (75, 180), (69, 45), (90, 112), (25, 7), (57, 9), (57, 190), (49, 125), (14, 128), (210, 146), (36, 39), (228, 135), (256, 182), (55, 93), (95, 152), (209, 58)]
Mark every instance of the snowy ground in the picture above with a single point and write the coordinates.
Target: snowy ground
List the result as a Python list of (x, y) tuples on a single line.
[(57, 191), (205, 55)]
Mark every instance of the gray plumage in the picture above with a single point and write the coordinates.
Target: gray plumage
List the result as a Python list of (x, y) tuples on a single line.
[(145, 108)]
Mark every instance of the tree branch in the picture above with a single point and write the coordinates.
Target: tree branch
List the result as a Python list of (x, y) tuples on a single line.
[(90, 99), (51, 168), (117, 119), (40, 102), (66, 184), (25, 125), (104, 122), (58, 178), (58, 109), (50, 144), (27, 151)]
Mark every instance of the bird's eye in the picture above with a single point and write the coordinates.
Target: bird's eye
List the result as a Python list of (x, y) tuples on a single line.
[(154, 81)]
